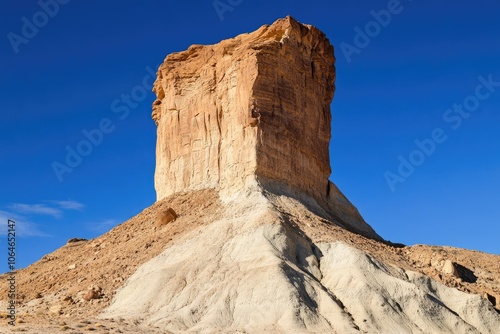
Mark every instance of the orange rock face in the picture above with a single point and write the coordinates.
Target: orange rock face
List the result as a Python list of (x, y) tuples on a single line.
[(253, 107)]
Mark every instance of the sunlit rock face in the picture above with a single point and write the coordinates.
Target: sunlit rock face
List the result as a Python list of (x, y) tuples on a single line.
[(257, 105)]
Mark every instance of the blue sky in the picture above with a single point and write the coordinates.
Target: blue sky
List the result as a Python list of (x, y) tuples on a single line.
[(83, 69)]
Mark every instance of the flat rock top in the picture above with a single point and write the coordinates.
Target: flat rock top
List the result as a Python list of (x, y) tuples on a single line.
[(288, 27), (238, 47)]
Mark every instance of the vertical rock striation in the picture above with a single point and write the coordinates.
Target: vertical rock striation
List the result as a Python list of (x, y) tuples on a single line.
[(257, 105), (252, 110)]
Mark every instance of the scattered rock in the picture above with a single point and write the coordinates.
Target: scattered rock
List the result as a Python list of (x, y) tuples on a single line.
[(47, 258), (437, 261), (73, 240), (459, 271), (165, 217), (56, 309), (91, 294), (68, 299), (449, 268)]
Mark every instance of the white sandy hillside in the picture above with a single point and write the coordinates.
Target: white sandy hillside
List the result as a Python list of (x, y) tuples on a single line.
[(252, 271)]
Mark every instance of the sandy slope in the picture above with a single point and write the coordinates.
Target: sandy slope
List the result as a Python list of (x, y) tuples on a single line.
[(253, 271), (253, 264)]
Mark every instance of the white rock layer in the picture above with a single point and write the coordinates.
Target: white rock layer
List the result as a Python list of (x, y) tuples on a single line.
[(252, 272)]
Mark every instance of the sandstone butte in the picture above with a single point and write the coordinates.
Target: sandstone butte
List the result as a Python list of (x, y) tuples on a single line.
[(248, 235), (252, 111)]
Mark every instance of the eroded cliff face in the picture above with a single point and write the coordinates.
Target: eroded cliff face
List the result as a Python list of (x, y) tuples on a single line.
[(205, 139), (255, 106), (291, 99)]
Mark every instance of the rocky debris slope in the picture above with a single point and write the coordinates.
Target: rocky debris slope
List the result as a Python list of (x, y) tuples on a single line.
[(51, 294), (255, 270), (57, 285)]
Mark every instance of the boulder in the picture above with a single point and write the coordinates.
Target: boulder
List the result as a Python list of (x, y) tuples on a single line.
[(458, 271), (165, 217)]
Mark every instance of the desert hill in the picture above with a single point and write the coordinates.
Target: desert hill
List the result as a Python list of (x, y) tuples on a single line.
[(261, 241), (52, 294)]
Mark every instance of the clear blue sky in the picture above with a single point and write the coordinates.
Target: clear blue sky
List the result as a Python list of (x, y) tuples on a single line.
[(90, 61)]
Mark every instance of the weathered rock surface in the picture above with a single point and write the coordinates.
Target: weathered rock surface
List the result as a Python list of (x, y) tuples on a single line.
[(255, 105), (457, 270), (251, 111), (216, 244), (254, 271), (91, 294), (165, 217)]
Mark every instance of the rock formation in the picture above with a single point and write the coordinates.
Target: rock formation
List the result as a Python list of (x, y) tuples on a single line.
[(251, 111), (248, 235), (255, 106)]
